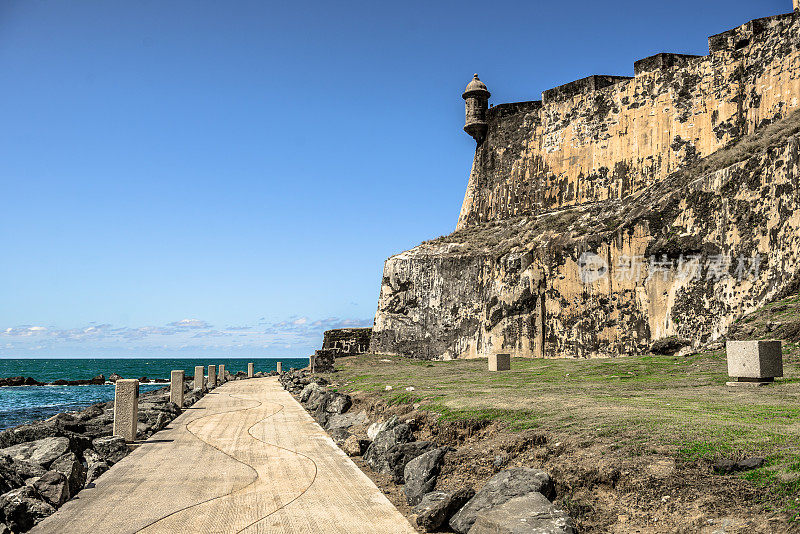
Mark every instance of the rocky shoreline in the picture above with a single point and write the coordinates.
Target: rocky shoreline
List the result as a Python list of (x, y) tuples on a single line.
[(99, 380), (45, 463), (517, 499)]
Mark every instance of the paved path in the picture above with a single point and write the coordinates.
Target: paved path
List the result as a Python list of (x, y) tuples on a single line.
[(246, 458)]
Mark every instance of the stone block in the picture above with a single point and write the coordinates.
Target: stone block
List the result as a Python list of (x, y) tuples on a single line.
[(198, 378), (250, 370), (212, 376), (278, 367), (222, 378), (176, 386), (499, 362), (126, 408), (323, 361), (754, 361)]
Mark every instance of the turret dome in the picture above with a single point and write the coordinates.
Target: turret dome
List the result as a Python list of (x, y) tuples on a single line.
[(476, 86)]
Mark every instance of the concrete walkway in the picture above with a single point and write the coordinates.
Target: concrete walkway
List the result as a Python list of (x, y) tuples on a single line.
[(246, 458)]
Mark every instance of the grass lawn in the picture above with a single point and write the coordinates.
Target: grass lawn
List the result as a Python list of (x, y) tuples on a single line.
[(639, 404)]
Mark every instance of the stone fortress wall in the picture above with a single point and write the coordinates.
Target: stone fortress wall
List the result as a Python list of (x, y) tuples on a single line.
[(693, 157), (611, 136)]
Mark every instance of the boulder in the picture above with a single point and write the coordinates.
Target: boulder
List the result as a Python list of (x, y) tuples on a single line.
[(420, 474), (99, 380), (353, 446), (338, 404), (396, 458), (71, 467), (42, 451), (10, 478), (530, 514), (95, 466), (54, 487), (114, 377), (308, 390), (385, 440), (19, 381), (376, 428), (112, 448), (346, 420), (504, 486), (317, 397), (437, 507), (61, 425), (22, 508), (92, 412), (339, 435)]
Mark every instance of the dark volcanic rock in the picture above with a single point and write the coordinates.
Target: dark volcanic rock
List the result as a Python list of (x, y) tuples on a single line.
[(420, 474), (529, 514), (340, 435), (19, 381), (71, 467), (397, 458), (22, 508), (502, 487), (385, 440), (42, 451), (58, 426), (10, 478), (95, 465), (54, 487), (437, 507), (346, 420), (114, 377), (112, 448)]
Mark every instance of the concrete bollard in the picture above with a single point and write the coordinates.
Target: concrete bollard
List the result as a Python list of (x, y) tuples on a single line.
[(198, 378), (222, 377), (250, 370), (126, 408), (754, 363), (499, 362), (311, 362), (212, 376), (278, 368), (176, 379)]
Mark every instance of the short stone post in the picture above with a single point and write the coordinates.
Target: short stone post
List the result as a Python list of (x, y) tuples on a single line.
[(222, 378), (278, 368), (176, 379), (212, 376), (198, 378), (754, 363), (311, 361), (499, 362), (126, 408), (250, 370)]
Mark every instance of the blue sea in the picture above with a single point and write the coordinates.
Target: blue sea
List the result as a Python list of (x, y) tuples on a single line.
[(29, 403)]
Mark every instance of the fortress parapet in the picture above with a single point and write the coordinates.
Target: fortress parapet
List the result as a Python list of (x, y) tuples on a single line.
[(661, 62), (607, 137), (582, 86)]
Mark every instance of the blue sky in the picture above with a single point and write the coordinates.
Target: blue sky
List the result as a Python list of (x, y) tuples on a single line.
[(227, 178)]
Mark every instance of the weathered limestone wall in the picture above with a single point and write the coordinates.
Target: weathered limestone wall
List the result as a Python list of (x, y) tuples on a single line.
[(608, 137), (516, 287)]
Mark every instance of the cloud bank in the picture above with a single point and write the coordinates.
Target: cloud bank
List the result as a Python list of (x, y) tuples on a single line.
[(295, 336)]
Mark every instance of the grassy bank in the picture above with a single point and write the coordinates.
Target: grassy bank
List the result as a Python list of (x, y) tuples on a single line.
[(637, 405)]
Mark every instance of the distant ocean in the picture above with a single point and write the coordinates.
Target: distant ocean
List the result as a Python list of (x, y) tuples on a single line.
[(29, 403)]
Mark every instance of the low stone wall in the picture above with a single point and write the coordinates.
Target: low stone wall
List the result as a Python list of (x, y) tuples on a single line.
[(347, 341)]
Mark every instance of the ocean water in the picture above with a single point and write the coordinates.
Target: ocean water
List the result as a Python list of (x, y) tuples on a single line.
[(22, 404)]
